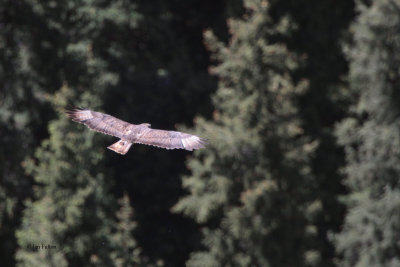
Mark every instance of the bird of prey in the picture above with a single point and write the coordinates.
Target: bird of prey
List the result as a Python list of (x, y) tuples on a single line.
[(134, 133)]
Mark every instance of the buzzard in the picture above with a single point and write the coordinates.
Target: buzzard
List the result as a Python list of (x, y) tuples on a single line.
[(134, 133)]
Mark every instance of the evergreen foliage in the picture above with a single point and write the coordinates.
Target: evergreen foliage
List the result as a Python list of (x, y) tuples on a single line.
[(73, 208), (370, 235), (252, 187), (72, 194), (19, 126), (265, 192), (109, 55), (129, 253), (163, 80), (321, 29)]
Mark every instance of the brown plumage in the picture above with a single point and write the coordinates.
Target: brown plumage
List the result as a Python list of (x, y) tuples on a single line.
[(132, 133)]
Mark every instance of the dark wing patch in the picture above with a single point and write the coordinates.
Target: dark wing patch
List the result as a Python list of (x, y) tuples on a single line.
[(170, 140), (99, 122)]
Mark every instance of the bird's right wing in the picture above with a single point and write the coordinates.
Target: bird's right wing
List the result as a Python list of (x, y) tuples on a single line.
[(99, 122)]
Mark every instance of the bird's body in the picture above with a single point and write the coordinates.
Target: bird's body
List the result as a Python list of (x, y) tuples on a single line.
[(134, 133)]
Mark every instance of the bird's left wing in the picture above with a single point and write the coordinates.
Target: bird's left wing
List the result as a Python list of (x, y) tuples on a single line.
[(99, 122), (170, 139)]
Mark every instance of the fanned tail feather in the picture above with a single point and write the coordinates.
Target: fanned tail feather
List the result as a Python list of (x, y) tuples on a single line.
[(121, 147)]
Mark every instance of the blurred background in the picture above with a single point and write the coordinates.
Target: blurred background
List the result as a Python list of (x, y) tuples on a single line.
[(299, 101)]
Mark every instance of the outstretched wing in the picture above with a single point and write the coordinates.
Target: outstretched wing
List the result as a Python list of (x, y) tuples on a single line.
[(99, 122), (170, 140)]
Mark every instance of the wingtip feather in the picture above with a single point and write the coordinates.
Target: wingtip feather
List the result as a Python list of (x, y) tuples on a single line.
[(194, 142), (78, 114)]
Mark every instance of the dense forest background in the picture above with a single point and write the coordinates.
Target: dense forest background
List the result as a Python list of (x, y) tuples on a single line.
[(299, 100)]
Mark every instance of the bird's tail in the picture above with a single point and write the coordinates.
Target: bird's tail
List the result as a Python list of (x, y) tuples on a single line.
[(120, 147)]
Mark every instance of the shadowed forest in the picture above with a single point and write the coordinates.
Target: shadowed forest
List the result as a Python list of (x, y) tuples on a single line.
[(299, 102)]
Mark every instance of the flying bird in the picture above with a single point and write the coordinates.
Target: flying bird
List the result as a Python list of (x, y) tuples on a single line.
[(134, 133)]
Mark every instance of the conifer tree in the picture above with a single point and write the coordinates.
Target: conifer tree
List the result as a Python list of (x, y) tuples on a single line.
[(19, 124), (371, 136), (252, 188), (320, 31), (137, 66), (164, 80), (129, 255), (73, 209)]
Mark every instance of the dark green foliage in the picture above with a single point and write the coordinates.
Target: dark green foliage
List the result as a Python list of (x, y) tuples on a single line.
[(321, 29), (164, 81), (265, 192), (18, 126), (371, 136), (128, 254), (315, 33), (250, 188), (138, 66), (73, 210), (73, 207)]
